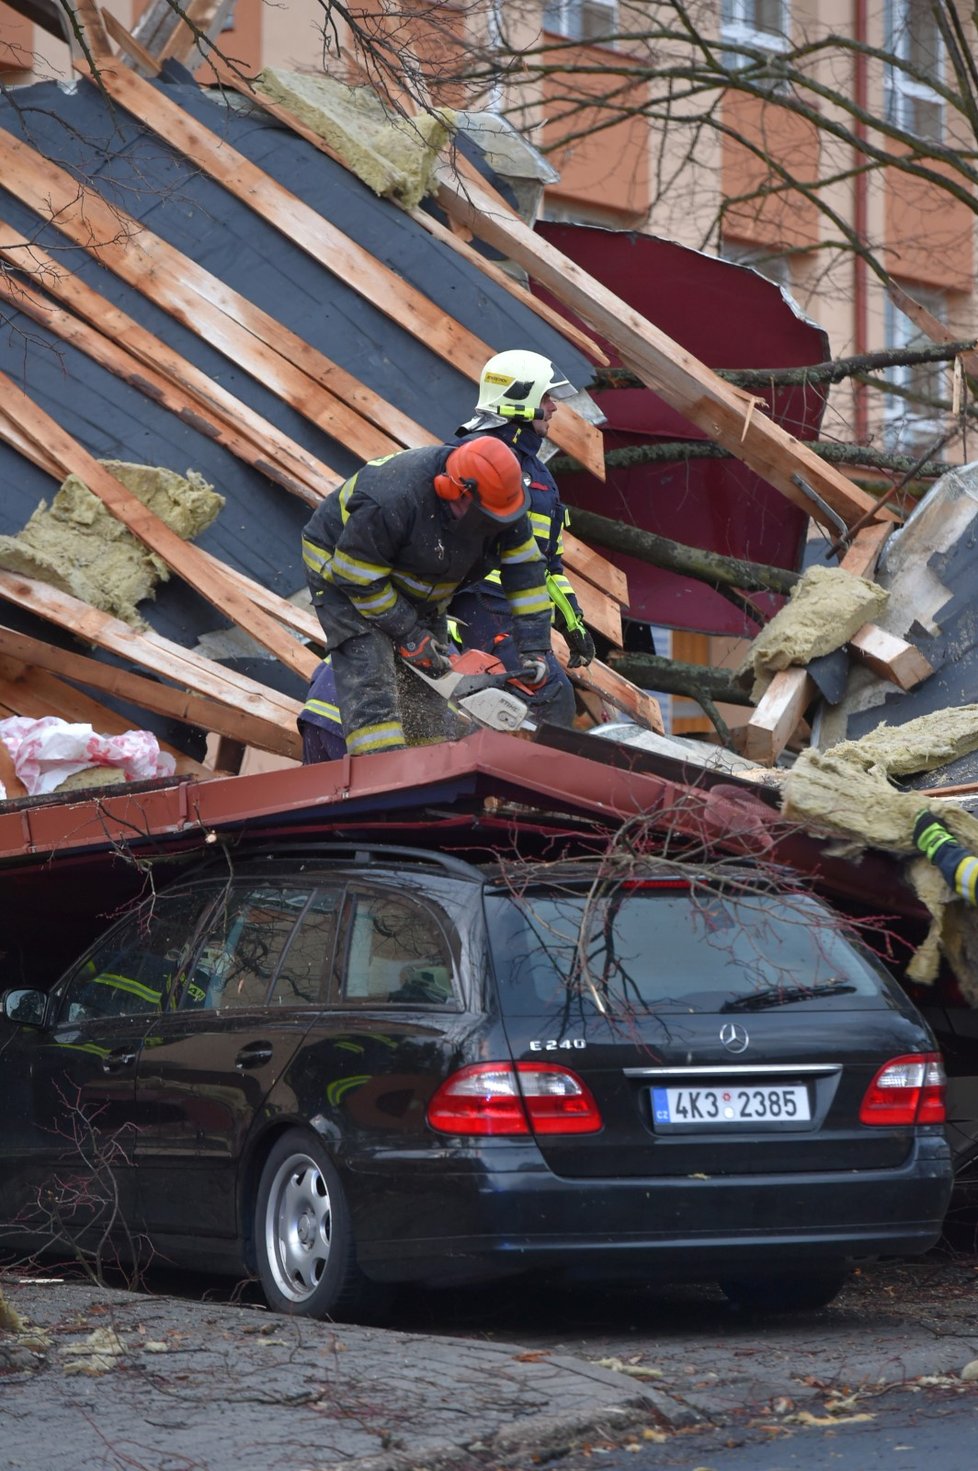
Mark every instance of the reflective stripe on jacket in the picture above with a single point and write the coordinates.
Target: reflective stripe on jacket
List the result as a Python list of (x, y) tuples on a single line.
[(394, 549)]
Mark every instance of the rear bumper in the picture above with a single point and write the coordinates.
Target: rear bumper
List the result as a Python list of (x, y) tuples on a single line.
[(476, 1223)]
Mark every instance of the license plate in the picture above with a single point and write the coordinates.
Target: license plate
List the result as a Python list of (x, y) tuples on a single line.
[(783, 1104)]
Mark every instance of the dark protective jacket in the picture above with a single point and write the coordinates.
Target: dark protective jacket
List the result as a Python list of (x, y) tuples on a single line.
[(548, 516), (393, 547)]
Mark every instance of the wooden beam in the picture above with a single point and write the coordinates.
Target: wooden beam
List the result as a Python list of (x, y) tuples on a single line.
[(182, 557), (89, 20), (595, 567), (769, 724), (688, 385), (203, 712), (128, 43), (569, 430), (290, 615), (278, 358), (299, 473), (890, 657), (613, 688), (34, 693), (777, 715), (148, 650), (495, 273)]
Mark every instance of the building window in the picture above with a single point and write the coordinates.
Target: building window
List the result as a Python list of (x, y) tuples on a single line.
[(760, 24), (913, 36), (913, 421), (582, 20)]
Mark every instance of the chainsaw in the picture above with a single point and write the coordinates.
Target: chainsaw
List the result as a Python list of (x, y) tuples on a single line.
[(480, 686)]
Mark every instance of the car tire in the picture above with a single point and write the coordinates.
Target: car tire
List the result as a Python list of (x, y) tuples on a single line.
[(304, 1246), (789, 1292)]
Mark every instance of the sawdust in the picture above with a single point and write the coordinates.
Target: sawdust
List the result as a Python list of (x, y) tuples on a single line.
[(827, 606), (393, 156), (78, 546)]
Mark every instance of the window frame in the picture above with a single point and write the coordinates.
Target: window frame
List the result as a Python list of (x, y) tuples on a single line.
[(564, 18), (357, 893), (904, 431), (738, 28), (901, 90)]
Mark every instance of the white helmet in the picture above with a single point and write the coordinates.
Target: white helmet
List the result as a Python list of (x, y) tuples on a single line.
[(513, 384)]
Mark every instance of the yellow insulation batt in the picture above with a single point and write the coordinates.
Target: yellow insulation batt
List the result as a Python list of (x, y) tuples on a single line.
[(77, 545), (394, 156), (827, 606), (848, 792)]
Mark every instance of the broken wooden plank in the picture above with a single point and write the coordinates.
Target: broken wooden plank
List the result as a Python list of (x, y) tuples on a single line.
[(777, 715), (495, 273), (206, 713), (612, 687), (182, 557), (249, 336), (124, 347), (890, 657), (148, 650), (34, 693), (599, 611), (568, 429), (794, 685), (686, 384), (596, 568), (127, 43), (84, 14)]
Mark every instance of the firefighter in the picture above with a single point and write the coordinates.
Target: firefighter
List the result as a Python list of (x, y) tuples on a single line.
[(383, 558), (518, 393), (320, 723), (956, 864)]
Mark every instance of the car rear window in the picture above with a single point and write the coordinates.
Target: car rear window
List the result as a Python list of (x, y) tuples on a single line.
[(667, 950)]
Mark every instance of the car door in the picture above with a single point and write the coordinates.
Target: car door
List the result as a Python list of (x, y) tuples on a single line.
[(260, 974), (68, 1160)]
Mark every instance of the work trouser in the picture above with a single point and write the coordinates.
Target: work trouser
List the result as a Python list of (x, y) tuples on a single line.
[(481, 619), (384, 705)]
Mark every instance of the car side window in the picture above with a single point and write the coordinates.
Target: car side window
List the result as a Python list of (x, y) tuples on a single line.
[(129, 972), (243, 946), (306, 971), (397, 952)]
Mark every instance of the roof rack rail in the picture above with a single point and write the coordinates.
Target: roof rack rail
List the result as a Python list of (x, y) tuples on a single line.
[(359, 852)]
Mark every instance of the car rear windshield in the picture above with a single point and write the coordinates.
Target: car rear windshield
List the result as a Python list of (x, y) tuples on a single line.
[(648, 949)]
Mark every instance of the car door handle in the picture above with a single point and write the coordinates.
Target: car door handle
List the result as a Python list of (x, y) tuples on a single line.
[(254, 1055), (121, 1057)]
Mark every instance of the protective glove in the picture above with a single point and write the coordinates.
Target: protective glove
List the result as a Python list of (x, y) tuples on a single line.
[(930, 834), (426, 654), (581, 645), (534, 672)]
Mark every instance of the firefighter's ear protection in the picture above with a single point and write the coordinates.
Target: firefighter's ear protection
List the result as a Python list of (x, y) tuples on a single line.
[(450, 489)]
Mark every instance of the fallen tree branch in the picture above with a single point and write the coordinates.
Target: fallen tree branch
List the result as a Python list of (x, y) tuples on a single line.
[(722, 573)]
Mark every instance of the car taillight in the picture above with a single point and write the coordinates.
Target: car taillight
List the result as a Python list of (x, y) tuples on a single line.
[(908, 1090), (498, 1098)]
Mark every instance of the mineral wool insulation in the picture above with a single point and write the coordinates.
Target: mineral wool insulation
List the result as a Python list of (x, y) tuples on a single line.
[(394, 156), (77, 545), (848, 790), (827, 606)]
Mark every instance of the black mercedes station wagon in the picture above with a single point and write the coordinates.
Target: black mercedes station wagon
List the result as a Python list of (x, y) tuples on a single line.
[(337, 1068)]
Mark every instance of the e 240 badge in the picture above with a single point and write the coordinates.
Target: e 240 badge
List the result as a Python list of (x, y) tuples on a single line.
[(558, 1044)]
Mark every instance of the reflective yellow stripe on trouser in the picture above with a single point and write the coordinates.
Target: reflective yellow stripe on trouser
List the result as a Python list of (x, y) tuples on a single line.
[(368, 738)]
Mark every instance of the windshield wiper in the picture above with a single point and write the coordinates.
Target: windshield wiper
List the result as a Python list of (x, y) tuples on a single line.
[(783, 996)]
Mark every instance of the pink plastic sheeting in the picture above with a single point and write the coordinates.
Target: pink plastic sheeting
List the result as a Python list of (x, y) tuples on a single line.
[(46, 752)]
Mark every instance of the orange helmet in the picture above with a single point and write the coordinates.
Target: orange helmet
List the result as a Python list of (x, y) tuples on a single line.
[(488, 470)]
